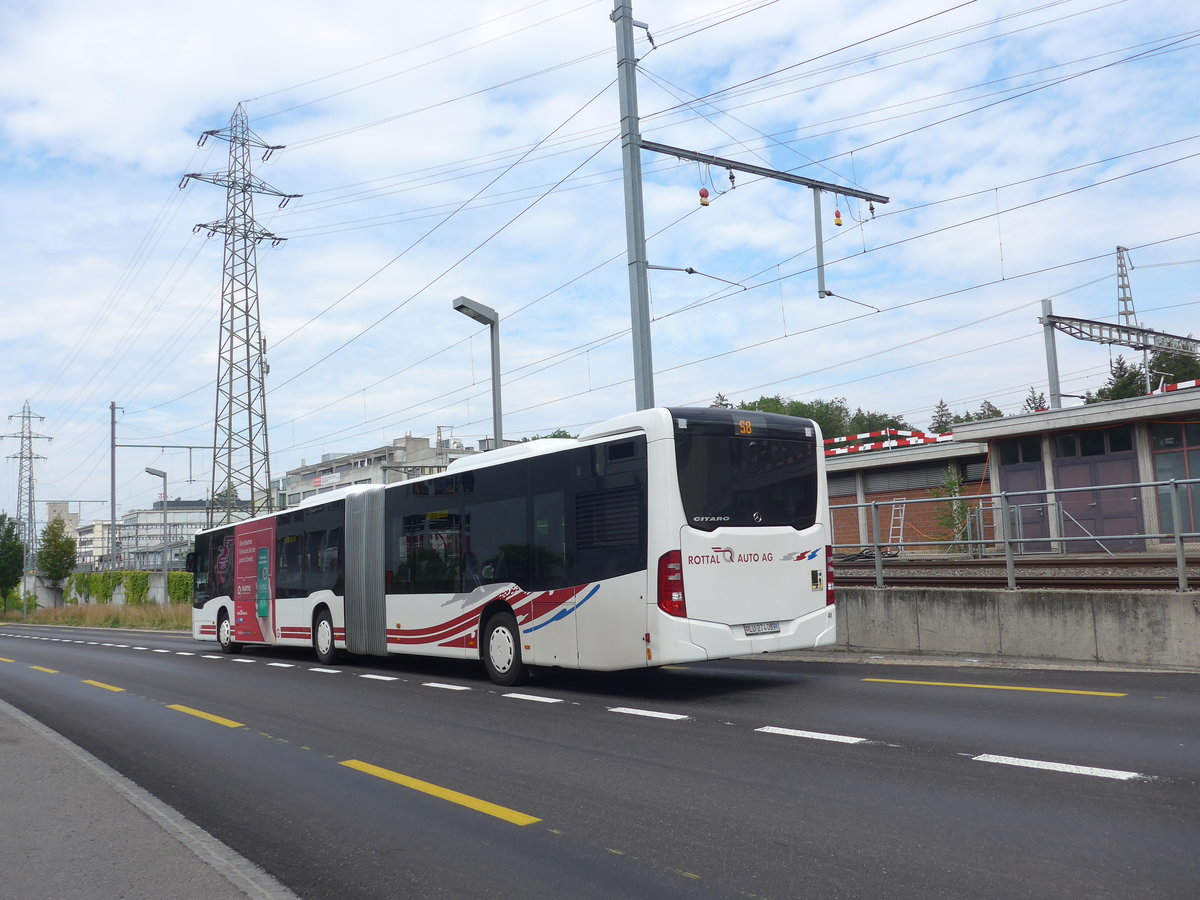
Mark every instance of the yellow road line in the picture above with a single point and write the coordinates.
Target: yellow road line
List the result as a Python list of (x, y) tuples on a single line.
[(483, 806), (6, 659), (996, 687), (199, 714), (101, 684), (44, 669)]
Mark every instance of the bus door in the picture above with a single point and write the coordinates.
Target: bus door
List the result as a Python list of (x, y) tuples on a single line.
[(254, 581)]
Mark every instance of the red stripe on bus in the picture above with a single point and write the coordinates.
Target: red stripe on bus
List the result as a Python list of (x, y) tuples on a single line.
[(528, 607)]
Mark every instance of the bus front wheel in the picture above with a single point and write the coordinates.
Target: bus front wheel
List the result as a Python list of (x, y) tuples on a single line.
[(225, 635), (323, 638), (502, 650)]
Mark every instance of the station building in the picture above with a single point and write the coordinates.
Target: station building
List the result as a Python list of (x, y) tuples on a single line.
[(1098, 446)]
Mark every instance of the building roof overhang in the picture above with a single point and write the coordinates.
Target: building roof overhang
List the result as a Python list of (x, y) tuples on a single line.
[(900, 456), (1091, 415)]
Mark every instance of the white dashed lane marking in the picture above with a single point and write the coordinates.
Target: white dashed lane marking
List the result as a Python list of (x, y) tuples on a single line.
[(534, 698), (648, 713), (1117, 774), (812, 735)]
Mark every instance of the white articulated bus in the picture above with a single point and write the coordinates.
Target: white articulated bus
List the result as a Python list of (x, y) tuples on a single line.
[(661, 536)]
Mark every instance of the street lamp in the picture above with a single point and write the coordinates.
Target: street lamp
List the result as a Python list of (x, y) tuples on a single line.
[(159, 473), (485, 315)]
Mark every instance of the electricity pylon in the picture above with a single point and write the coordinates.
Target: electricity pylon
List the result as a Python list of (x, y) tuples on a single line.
[(241, 458), (26, 523)]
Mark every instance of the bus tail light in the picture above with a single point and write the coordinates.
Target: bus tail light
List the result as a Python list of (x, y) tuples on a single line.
[(829, 598), (670, 584)]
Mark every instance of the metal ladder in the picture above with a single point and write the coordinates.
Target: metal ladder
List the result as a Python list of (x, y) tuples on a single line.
[(896, 527)]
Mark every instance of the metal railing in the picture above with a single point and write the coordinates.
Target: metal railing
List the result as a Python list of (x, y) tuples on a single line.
[(982, 525)]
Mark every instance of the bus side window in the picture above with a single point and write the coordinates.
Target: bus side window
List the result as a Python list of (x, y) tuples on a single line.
[(498, 550), (428, 561), (323, 561), (549, 563)]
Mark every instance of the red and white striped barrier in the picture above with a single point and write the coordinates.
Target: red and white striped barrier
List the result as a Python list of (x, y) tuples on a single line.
[(887, 445), (1167, 388), (884, 433)]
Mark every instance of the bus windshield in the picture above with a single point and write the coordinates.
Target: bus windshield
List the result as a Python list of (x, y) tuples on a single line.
[(738, 468)]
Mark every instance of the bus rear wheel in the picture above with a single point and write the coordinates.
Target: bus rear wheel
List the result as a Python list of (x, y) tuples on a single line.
[(323, 638), (502, 650)]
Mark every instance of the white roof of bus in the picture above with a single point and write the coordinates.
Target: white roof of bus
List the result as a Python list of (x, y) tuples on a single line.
[(337, 494), (539, 447), (654, 423)]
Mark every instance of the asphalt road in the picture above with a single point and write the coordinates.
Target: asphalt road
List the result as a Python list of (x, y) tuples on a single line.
[(745, 778)]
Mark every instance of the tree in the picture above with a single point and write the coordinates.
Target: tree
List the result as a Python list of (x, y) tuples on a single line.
[(865, 420), (12, 555), (942, 420), (1034, 402), (556, 433), (1124, 380), (722, 402), (987, 411), (56, 556), (1173, 368), (833, 416), (766, 404), (952, 516)]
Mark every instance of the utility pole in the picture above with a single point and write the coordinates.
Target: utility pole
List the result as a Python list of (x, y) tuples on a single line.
[(241, 457), (635, 220), (112, 497), (1051, 354), (632, 144), (26, 522)]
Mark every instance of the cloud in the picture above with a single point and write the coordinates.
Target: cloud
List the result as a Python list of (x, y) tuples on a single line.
[(392, 122)]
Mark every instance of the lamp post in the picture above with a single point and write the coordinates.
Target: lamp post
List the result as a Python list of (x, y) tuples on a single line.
[(485, 315), (159, 473)]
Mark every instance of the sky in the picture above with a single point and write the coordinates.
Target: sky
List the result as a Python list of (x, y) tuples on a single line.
[(471, 148)]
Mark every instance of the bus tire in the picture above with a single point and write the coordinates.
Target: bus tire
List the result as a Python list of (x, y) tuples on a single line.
[(225, 634), (501, 650), (323, 644)]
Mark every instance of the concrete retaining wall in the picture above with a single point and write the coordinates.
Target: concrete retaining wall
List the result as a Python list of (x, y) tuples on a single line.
[(1152, 628)]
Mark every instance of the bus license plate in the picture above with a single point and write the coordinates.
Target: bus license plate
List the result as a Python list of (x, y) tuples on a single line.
[(762, 628)]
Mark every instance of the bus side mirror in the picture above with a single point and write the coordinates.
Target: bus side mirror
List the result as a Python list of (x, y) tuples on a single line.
[(191, 563)]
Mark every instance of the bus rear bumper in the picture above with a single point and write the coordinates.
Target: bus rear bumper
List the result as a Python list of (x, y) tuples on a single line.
[(721, 641)]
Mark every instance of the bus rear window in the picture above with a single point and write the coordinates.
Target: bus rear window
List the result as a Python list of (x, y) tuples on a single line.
[(726, 480)]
